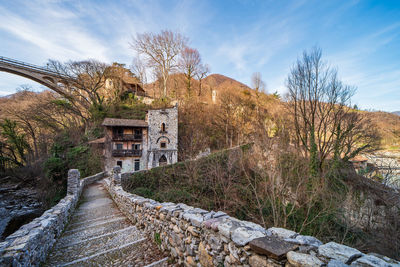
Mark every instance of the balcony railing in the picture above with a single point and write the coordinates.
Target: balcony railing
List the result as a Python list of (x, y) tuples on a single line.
[(127, 152), (127, 137)]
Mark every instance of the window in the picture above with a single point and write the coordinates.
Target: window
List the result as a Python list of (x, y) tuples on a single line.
[(119, 146), (163, 145), (162, 127), (118, 131), (137, 164), (119, 163), (136, 147)]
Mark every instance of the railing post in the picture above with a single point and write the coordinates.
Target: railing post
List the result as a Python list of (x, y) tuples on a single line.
[(116, 175), (73, 181)]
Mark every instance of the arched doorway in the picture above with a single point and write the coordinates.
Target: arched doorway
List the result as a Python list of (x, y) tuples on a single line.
[(162, 161)]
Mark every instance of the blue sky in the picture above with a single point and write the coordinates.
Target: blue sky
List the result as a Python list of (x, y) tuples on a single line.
[(236, 38)]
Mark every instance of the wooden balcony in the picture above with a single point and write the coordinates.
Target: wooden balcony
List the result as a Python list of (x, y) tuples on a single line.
[(127, 153), (127, 137)]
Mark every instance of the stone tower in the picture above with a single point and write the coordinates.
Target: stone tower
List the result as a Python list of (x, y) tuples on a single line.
[(162, 137)]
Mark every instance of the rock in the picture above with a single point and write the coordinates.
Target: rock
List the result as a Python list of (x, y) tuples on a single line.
[(305, 240), (190, 261), (303, 260), (195, 219), (387, 259), (336, 263), (193, 231), (258, 261), (281, 232), (337, 251), (219, 214), (241, 236), (176, 229), (226, 226), (209, 223), (369, 261), (204, 258), (273, 247)]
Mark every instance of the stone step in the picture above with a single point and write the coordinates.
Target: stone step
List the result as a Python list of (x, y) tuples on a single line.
[(93, 214), (81, 249), (98, 234), (90, 232), (80, 223), (98, 203), (160, 263), (137, 254)]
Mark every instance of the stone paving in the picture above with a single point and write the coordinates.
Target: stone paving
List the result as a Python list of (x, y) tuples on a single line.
[(100, 235)]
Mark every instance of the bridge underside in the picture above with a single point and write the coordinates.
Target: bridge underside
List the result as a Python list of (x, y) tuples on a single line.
[(51, 82)]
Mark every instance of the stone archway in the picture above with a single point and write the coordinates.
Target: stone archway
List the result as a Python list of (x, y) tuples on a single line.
[(162, 161)]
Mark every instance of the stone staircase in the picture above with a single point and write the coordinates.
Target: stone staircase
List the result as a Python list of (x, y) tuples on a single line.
[(100, 235)]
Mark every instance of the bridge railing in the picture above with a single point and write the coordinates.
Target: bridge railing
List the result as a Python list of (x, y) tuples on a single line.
[(28, 66)]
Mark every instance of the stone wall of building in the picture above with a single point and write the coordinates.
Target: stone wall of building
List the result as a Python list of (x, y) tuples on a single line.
[(155, 119), (29, 245), (196, 237)]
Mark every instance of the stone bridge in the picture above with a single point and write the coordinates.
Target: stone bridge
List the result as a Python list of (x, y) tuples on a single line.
[(42, 75), (99, 224)]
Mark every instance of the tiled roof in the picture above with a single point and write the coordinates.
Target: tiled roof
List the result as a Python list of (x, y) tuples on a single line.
[(359, 158), (124, 122)]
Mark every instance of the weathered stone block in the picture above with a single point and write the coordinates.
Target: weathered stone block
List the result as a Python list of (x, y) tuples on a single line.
[(204, 258), (257, 261), (73, 181), (281, 232), (305, 240), (273, 247), (370, 261), (337, 251), (241, 236), (303, 260)]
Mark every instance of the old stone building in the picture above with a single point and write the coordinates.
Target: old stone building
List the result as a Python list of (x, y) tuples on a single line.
[(142, 144)]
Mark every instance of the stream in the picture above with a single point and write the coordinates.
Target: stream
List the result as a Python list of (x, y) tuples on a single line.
[(18, 206)]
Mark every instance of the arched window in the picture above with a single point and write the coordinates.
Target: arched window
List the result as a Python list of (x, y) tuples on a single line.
[(162, 127)]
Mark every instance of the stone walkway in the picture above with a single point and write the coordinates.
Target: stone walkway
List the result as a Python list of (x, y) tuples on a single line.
[(100, 235)]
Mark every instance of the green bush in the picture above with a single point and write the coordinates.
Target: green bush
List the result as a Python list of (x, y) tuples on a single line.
[(55, 169), (143, 191)]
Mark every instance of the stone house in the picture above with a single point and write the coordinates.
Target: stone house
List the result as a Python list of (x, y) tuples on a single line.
[(142, 144)]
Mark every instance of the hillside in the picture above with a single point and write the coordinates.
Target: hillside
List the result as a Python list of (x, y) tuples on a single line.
[(178, 88), (388, 127), (396, 112), (218, 82)]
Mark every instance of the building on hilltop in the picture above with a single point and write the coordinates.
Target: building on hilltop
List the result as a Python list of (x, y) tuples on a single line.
[(142, 144)]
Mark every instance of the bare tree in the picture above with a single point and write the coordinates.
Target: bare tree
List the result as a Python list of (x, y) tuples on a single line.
[(87, 78), (138, 68), (202, 72), (320, 107), (257, 83), (189, 64), (161, 51)]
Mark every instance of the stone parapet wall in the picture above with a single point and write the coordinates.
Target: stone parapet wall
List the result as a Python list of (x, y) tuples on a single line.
[(29, 245), (196, 237)]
